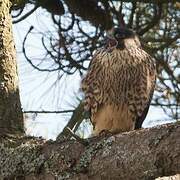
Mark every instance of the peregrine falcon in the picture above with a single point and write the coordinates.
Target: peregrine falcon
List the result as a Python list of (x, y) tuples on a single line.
[(119, 83)]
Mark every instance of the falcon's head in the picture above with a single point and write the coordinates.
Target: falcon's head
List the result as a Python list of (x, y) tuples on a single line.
[(124, 38)]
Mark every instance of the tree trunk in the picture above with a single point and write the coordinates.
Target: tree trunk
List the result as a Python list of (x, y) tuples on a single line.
[(138, 155), (11, 117)]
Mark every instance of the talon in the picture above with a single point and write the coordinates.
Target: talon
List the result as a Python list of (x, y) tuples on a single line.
[(105, 133)]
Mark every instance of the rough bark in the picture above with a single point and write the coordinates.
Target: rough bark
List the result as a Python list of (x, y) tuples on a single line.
[(11, 117), (138, 155), (151, 1)]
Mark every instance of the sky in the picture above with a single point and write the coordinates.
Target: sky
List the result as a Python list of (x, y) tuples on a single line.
[(41, 91)]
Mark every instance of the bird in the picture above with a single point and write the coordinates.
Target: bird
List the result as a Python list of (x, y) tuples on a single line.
[(119, 83)]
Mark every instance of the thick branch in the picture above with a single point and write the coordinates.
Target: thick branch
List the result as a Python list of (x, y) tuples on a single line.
[(90, 10), (152, 1), (144, 154)]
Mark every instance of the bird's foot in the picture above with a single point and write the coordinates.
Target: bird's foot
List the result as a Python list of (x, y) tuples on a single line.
[(105, 133), (62, 138), (69, 136)]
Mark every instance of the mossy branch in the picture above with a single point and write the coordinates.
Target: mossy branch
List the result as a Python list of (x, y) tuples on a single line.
[(142, 154)]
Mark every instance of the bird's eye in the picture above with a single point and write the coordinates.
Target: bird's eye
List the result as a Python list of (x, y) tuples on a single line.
[(119, 36)]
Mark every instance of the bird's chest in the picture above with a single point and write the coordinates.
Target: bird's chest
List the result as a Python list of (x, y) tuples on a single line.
[(120, 74), (116, 60)]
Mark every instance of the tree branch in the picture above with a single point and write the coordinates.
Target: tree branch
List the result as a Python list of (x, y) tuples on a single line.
[(152, 1), (91, 11), (138, 155), (25, 16), (48, 112), (77, 117)]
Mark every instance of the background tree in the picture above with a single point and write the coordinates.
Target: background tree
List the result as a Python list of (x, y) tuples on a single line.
[(11, 117)]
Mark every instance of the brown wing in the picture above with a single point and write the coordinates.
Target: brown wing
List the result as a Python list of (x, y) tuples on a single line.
[(91, 85), (152, 81), (144, 88), (140, 119)]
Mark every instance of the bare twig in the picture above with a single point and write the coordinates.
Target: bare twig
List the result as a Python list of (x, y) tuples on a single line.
[(48, 112), (26, 15)]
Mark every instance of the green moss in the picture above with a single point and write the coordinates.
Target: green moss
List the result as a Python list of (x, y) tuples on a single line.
[(27, 158), (90, 152), (24, 158)]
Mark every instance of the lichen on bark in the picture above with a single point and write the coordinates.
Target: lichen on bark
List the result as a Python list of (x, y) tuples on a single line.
[(136, 155)]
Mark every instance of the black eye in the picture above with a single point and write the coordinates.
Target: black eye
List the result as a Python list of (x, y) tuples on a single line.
[(119, 36)]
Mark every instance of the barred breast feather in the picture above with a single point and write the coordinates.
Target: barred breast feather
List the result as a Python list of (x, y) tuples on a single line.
[(118, 88)]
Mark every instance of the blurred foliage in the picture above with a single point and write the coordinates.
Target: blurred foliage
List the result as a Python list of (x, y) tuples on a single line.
[(80, 28)]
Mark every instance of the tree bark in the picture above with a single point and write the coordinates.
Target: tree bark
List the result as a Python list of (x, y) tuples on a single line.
[(137, 155), (11, 117), (152, 1)]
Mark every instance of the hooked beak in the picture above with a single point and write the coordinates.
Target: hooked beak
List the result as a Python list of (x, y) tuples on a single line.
[(110, 33), (110, 39)]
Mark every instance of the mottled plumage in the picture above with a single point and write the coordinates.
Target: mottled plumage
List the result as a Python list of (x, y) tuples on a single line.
[(119, 84)]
